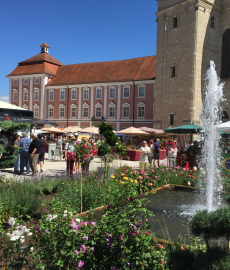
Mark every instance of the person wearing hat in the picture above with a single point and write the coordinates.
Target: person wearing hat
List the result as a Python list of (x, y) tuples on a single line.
[(70, 155)]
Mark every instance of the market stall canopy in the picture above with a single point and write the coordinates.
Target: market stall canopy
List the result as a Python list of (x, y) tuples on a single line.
[(225, 127), (132, 130), (186, 129), (92, 129), (152, 130), (73, 129), (51, 130)]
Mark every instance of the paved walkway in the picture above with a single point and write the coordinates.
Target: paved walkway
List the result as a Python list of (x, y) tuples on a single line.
[(54, 167)]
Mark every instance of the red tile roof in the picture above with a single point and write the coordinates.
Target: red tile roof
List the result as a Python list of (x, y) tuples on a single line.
[(42, 57), (36, 68), (44, 45), (143, 68)]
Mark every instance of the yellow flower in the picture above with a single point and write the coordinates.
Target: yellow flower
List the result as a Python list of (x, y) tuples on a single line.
[(131, 180), (122, 183), (135, 181), (125, 178), (112, 176), (165, 181), (62, 183)]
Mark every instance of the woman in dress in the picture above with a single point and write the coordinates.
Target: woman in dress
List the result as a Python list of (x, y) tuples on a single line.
[(144, 152)]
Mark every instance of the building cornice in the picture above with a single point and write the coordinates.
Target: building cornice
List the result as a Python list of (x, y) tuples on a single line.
[(28, 76)]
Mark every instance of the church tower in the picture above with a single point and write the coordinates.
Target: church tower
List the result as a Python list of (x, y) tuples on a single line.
[(189, 35)]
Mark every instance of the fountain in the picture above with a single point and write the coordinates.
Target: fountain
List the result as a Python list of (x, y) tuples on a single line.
[(211, 116)]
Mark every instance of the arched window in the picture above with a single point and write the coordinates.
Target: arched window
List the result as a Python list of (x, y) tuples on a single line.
[(212, 22), (225, 57), (225, 115)]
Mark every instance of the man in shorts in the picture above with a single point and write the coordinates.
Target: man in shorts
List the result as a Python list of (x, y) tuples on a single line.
[(41, 155), (156, 150)]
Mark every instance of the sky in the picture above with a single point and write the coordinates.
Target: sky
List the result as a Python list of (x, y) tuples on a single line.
[(77, 31)]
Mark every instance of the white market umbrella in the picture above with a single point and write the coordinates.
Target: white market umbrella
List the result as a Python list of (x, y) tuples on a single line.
[(73, 129), (92, 129), (51, 129), (152, 130), (132, 131)]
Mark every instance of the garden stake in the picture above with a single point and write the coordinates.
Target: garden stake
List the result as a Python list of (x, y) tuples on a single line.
[(81, 189)]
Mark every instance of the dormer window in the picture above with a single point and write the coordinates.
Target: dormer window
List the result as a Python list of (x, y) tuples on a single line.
[(175, 22)]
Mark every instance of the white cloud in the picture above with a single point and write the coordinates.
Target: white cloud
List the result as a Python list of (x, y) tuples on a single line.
[(4, 98)]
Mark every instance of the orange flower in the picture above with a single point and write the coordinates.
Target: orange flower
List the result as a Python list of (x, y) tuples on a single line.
[(122, 174), (140, 177)]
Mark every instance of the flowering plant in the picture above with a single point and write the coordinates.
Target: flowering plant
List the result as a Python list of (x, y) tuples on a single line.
[(85, 149)]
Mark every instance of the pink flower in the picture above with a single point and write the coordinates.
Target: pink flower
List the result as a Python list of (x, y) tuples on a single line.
[(126, 171), (147, 177), (153, 171), (134, 233), (128, 199), (147, 233), (160, 246), (163, 186), (80, 264), (82, 249), (92, 223), (182, 248), (154, 181), (85, 238), (76, 252)]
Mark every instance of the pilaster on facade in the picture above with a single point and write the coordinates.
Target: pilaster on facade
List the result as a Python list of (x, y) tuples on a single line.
[(31, 94), (42, 96), (20, 92), (92, 105), (10, 91), (79, 105), (105, 102), (119, 103)]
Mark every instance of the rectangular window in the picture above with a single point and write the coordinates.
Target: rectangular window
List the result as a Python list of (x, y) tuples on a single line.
[(86, 94), (51, 95), (51, 112), (25, 95), (99, 93), (36, 111), (37, 80), (62, 112), (62, 95), (73, 112), (173, 72), (36, 95), (15, 96), (85, 112), (175, 22), (74, 94), (171, 119), (112, 93), (141, 111), (126, 92), (125, 111), (141, 91), (25, 81), (111, 112), (98, 112), (15, 82)]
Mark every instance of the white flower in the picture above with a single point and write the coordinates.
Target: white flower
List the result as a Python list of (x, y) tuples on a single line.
[(65, 212), (15, 235), (22, 239), (78, 220), (65, 215), (29, 234), (195, 169), (11, 221), (70, 213), (27, 230), (49, 217), (31, 249), (21, 229), (54, 216)]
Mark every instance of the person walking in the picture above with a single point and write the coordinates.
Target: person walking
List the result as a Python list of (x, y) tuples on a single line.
[(42, 150), (24, 144), (151, 154), (156, 150), (144, 152), (69, 155), (17, 162), (172, 154), (34, 153)]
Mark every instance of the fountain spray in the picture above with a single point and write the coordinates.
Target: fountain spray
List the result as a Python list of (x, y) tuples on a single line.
[(211, 117)]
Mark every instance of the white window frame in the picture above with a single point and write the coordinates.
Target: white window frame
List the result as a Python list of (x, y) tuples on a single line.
[(112, 105), (24, 81), (125, 105), (15, 91), (62, 90), (125, 87), (61, 106), (98, 105), (72, 90), (25, 90), (97, 89), (15, 81), (85, 105), (110, 88), (85, 89), (36, 90), (73, 106), (36, 80), (51, 91), (36, 106), (139, 105), (25, 106), (139, 86), (50, 107)]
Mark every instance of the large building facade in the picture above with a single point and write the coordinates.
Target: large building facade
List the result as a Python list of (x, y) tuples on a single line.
[(121, 93), (190, 33)]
